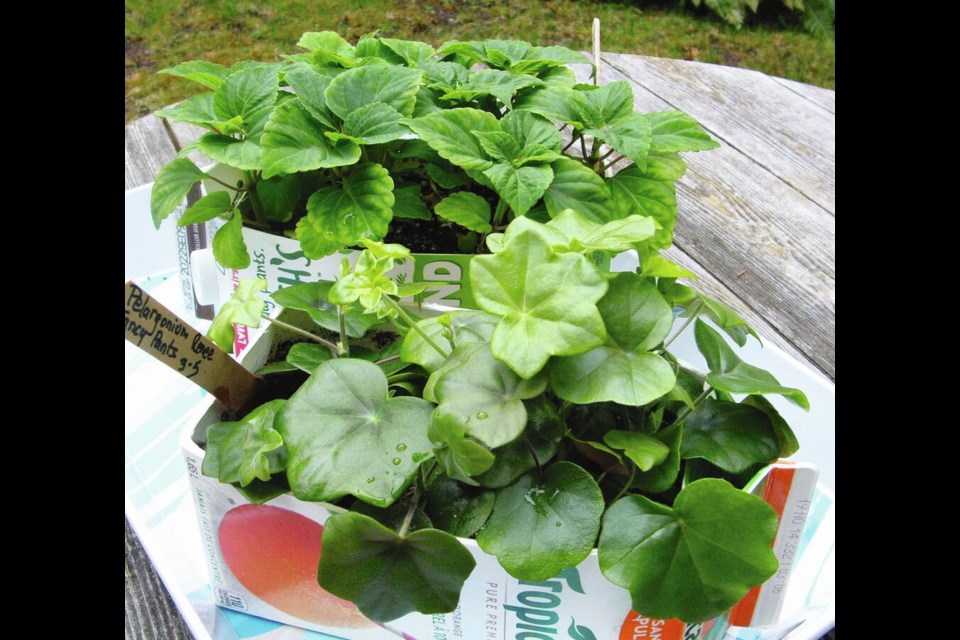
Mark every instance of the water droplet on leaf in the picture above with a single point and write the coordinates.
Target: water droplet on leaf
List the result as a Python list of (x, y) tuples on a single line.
[(396, 461), (401, 447), (370, 480), (482, 415)]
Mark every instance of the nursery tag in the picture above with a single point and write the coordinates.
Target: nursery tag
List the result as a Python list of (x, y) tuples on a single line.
[(168, 338)]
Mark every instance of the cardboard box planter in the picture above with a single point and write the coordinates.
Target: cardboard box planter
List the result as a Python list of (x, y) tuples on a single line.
[(262, 560)]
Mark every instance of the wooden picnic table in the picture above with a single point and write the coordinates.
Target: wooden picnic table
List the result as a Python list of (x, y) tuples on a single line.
[(756, 223)]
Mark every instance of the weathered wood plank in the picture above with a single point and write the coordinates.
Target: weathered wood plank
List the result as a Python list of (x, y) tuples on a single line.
[(150, 613), (826, 99), (771, 124), (147, 147), (184, 134)]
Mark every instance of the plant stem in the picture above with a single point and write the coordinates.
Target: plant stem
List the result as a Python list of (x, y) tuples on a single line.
[(583, 148), (344, 348), (334, 349), (693, 314), (603, 169), (606, 155), (413, 325), (633, 474), (700, 398), (498, 214), (228, 186), (407, 519), (386, 360), (250, 183), (572, 141), (533, 452)]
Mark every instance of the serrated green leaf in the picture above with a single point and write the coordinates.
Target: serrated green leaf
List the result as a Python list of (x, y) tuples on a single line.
[(561, 55), (540, 527), (375, 123), (677, 131), (630, 136), (241, 154), (694, 561), (309, 86), (446, 179), (370, 446), (661, 477), (426, 103), (251, 94), (530, 129), (328, 47), (731, 374), (209, 74), (547, 300), (207, 208), (555, 103), (444, 75), (172, 185), (247, 449), (499, 145), (412, 51), (731, 436), (558, 77), (469, 52), (450, 133), (196, 110), (577, 187), (244, 307), (467, 210), (521, 187), (459, 457), (456, 508), (500, 84), (407, 203), (543, 433), (294, 141), (279, 196), (311, 297), (229, 249), (786, 439), (613, 101), (634, 193), (307, 356), (644, 450), (393, 86), (665, 166)]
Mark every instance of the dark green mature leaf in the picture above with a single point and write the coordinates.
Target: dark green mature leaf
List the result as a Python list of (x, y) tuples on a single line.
[(630, 135), (731, 374), (388, 576), (229, 249), (692, 562), (543, 433), (731, 436), (370, 446), (450, 133), (458, 509), (576, 186), (244, 307), (251, 94), (307, 356), (646, 451), (279, 196), (293, 141), (530, 129), (375, 123), (172, 185), (613, 101), (311, 297), (242, 154), (209, 74), (336, 218), (392, 517), (622, 370), (661, 477), (459, 456), (309, 86), (547, 300), (635, 193), (206, 208), (676, 131), (557, 103), (246, 449), (787, 440), (414, 53), (466, 209), (407, 203), (499, 145), (540, 527), (360, 86), (446, 179), (521, 187)]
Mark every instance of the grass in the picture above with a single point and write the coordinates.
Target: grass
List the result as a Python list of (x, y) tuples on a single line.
[(161, 33)]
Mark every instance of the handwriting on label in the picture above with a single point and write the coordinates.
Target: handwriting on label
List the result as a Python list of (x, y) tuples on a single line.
[(169, 339)]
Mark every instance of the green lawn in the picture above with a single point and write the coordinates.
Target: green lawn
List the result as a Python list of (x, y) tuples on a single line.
[(161, 33)]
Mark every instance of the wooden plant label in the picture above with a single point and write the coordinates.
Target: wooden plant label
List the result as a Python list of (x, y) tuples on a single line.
[(168, 338)]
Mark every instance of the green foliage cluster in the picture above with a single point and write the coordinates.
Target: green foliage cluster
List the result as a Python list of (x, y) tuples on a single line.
[(819, 16)]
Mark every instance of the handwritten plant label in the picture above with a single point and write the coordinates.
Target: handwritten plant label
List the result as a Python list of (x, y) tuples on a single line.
[(168, 338)]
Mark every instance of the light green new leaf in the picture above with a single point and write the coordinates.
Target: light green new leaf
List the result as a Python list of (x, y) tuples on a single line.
[(394, 86), (172, 185), (665, 166), (209, 74), (452, 329), (576, 186), (311, 297), (559, 77), (654, 265), (727, 319), (450, 133), (293, 141), (361, 208), (196, 110), (375, 123), (635, 193), (370, 445), (558, 54), (229, 249), (388, 576), (457, 509), (499, 145), (500, 84), (413, 52), (511, 50), (543, 433), (547, 299), (530, 129), (622, 370), (207, 208), (676, 131), (242, 154), (661, 477), (630, 135), (613, 101), (407, 203), (557, 103), (466, 209), (459, 457), (251, 94), (613, 237), (694, 561), (731, 374), (247, 449), (328, 47), (279, 196), (244, 307), (521, 187), (444, 75), (307, 356), (645, 451), (539, 528), (309, 86), (732, 436)]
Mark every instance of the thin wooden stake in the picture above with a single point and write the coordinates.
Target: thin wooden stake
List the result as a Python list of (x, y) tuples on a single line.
[(596, 51)]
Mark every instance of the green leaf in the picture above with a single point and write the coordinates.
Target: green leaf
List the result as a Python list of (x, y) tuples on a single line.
[(309, 86), (241, 154), (196, 109), (500, 84), (444, 75), (387, 575), (543, 433), (556, 103), (732, 436), (229, 249), (328, 47), (613, 237), (206, 208), (458, 509), (244, 307), (407, 203), (281, 366), (393, 86), (539, 528), (311, 297), (622, 370), (559, 77), (246, 449), (727, 319), (786, 439), (577, 187), (293, 141), (412, 51), (466, 209), (459, 457), (661, 477), (499, 145), (512, 50), (172, 185), (279, 196), (630, 136), (483, 395), (729, 373), (454, 328), (694, 561), (645, 451), (521, 187), (375, 123), (654, 265), (361, 208), (613, 100), (665, 166), (370, 446), (446, 179), (209, 74), (676, 131), (251, 94), (530, 130), (635, 193), (560, 55), (547, 299), (450, 133), (307, 356), (392, 517)]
